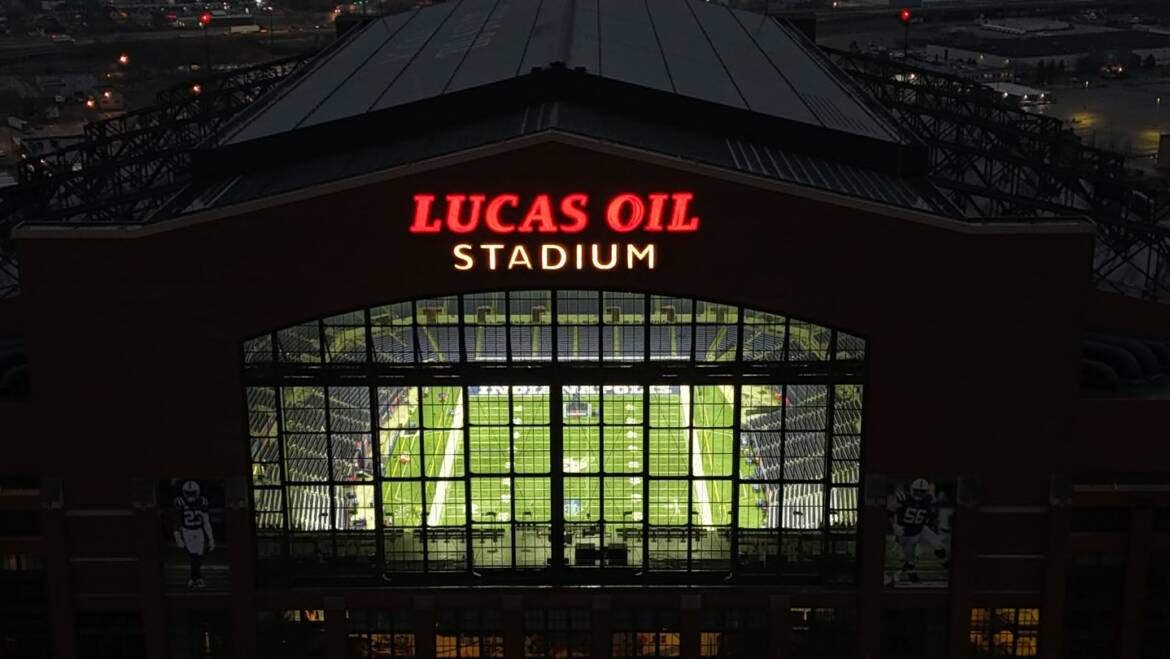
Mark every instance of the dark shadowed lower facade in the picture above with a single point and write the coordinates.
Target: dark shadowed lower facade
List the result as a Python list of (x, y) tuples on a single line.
[(578, 329)]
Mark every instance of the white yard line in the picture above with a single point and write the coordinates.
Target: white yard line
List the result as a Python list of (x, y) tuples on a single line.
[(697, 460), (728, 393), (436, 514)]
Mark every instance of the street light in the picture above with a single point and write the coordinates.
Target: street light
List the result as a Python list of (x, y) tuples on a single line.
[(196, 88), (123, 59)]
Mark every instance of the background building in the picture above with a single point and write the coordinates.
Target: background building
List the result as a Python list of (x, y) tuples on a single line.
[(584, 329)]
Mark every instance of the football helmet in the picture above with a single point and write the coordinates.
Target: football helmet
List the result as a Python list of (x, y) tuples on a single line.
[(190, 491), (919, 487)]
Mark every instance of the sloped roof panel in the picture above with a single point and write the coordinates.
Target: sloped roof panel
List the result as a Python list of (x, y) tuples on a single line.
[(437, 62), (356, 92), (629, 49), (826, 95), (760, 83), (585, 49), (299, 97), (694, 66), (699, 52), (501, 46)]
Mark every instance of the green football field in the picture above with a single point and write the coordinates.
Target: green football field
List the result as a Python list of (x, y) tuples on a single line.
[(604, 450)]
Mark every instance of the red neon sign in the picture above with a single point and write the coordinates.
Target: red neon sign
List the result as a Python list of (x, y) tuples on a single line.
[(544, 214)]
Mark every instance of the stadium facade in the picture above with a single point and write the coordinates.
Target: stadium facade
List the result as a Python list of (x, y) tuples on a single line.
[(583, 329)]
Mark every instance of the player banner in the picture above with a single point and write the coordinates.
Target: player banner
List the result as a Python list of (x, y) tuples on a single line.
[(918, 534), (193, 537)]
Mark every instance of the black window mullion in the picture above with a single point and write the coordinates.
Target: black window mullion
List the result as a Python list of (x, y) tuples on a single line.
[(469, 555), (376, 450), (644, 473), (556, 479), (690, 476), (786, 355), (646, 301), (321, 340), (601, 471), (461, 329), (830, 401), (328, 431), (512, 489), (279, 408), (782, 477), (508, 338), (555, 324), (601, 327), (741, 338), (421, 480), (736, 433), (415, 330), (694, 331)]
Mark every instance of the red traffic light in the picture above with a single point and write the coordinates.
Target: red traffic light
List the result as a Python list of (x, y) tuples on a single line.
[(905, 15), (205, 19)]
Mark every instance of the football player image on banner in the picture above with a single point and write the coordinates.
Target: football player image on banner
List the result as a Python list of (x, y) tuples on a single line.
[(193, 533), (918, 539)]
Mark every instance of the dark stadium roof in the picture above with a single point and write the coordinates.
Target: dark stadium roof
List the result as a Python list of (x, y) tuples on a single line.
[(684, 47), (683, 79)]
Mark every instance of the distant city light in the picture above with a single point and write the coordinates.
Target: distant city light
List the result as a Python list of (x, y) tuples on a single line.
[(196, 88), (107, 94), (123, 59), (90, 103)]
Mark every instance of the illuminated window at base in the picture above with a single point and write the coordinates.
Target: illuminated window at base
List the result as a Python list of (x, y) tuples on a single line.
[(1004, 632)]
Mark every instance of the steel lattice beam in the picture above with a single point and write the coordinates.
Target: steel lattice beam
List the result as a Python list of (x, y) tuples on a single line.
[(132, 164), (995, 160)]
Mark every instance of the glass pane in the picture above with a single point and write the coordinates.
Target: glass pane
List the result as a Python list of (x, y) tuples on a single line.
[(258, 350), (402, 504), (578, 315), (808, 342), (763, 338), (300, 344), (445, 503), (345, 338)]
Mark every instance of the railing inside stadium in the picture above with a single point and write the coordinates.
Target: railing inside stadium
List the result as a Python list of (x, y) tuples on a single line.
[(438, 436)]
